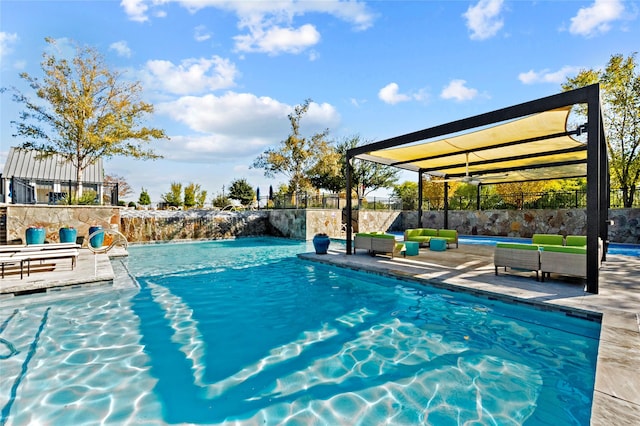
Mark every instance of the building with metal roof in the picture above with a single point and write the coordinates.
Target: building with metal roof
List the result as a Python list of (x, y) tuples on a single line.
[(30, 177)]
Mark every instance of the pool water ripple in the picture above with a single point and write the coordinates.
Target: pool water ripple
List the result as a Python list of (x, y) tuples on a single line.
[(241, 332)]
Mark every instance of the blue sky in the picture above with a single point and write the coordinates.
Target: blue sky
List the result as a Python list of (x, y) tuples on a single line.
[(224, 75)]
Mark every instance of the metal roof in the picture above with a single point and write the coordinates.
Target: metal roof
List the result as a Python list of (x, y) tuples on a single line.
[(28, 164)]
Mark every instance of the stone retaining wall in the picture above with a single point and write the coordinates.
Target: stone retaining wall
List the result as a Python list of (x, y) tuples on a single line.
[(164, 225), (524, 223), (52, 218)]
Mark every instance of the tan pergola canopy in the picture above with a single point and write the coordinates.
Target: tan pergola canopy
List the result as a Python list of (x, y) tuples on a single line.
[(523, 142), (535, 147)]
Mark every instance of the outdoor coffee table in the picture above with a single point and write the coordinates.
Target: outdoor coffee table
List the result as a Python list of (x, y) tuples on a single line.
[(437, 244), (412, 248)]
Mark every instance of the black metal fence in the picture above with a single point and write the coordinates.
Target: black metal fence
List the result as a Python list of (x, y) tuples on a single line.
[(515, 201), (327, 201), (24, 191)]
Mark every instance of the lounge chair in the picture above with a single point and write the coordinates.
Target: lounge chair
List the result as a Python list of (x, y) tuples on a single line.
[(517, 256), (24, 255), (377, 243)]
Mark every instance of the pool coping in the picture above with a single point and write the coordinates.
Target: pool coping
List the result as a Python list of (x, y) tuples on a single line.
[(616, 397)]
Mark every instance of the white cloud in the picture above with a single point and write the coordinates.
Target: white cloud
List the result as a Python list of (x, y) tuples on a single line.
[(269, 23), (236, 124), (390, 94), (121, 48), (200, 33), (458, 91), (135, 9), (6, 43), (275, 40), (484, 19), (546, 76), (596, 18), (191, 76)]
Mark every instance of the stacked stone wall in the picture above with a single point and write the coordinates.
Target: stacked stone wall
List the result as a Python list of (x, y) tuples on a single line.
[(525, 223), (52, 218), (157, 225), (167, 225)]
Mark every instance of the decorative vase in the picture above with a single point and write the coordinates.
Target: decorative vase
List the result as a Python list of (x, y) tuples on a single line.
[(321, 243), (35, 235), (97, 240), (68, 235)]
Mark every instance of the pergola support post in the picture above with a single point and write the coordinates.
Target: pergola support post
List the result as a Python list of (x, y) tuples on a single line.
[(446, 205), (595, 183), (420, 199), (349, 203)]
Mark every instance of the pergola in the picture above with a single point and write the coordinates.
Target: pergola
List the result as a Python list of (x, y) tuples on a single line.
[(524, 142)]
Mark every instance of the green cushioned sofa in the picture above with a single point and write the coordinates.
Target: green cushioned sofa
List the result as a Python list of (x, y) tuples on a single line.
[(424, 235), (377, 242)]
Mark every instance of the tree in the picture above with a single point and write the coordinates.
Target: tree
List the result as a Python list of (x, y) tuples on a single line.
[(620, 82), (144, 198), (296, 155), (124, 188), (86, 111), (366, 176), (518, 193), (221, 201), (433, 193), (408, 193), (173, 198), (241, 190), (194, 196)]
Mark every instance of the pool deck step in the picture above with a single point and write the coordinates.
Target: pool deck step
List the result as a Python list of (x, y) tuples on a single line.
[(91, 270)]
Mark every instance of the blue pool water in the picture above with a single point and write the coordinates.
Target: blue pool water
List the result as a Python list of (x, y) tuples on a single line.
[(243, 332)]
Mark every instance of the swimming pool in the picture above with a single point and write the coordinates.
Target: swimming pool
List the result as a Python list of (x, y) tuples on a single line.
[(243, 331)]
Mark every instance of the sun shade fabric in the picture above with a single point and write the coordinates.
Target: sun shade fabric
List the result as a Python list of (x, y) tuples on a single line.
[(531, 148)]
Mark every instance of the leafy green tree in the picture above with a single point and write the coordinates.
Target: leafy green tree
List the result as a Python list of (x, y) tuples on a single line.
[(173, 198), (87, 112), (620, 82), (408, 193), (194, 196), (221, 201), (201, 198), (296, 155), (144, 199), (241, 190), (366, 176)]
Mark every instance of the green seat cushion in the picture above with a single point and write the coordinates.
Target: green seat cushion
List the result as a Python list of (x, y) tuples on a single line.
[(420, 239), (547, 239), (576, 240), (565, 249), (518, 246), (428, 232), (385, 236), (412, 232)]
